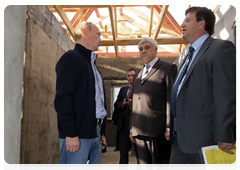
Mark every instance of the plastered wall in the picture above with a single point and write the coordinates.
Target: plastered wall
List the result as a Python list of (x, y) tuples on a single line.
[(14, 42), (45, 43)]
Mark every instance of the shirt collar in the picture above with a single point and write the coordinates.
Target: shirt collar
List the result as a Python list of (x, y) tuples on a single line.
[(151, 63), (93, 57), (198, 43)]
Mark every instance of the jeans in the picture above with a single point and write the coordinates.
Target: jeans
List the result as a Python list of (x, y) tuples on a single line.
[(90, 151)]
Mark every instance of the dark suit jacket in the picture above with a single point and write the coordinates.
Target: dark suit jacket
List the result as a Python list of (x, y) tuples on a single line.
[(151, 100), (119, 111), (206, 105)]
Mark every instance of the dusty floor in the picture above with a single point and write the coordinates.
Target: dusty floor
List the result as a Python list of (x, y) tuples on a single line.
[(112, 157)]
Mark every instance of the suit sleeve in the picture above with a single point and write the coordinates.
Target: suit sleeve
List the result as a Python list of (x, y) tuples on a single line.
[(170, 78), (224, 91), (66, 81), (118, 103)]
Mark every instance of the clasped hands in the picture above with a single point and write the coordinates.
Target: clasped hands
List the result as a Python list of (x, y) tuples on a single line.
[(127, 102)]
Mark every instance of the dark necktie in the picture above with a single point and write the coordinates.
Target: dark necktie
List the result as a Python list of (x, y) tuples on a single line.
[(145, 74), (129, 91), (179, 80)]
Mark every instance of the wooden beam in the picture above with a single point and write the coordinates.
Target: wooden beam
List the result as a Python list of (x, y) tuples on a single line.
[(97, 14), (160, 21), (106, 37), (86, 16), (136, 54), (216, 8), (93, 6), (115, 20), (75, 16), (113, 29), (121, 11), (65, 19), (81, 18), (135, 23), (169, 22), (100, 17), (135, 41), (143, 16), (150, 22), (81, 14)]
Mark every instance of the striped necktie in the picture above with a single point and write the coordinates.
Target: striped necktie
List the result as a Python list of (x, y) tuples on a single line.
[(178, 81), (145, 74)]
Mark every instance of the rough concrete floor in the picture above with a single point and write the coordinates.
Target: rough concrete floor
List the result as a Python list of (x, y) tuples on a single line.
[(112, 157)]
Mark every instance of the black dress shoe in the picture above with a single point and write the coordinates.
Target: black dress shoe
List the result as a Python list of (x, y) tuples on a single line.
[(116, 149)]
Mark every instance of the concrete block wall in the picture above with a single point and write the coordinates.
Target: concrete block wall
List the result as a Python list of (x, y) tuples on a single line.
[(44, 18), (46, 41), (225, 19)]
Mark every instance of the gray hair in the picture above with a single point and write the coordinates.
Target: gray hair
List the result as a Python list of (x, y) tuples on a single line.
[(152, 41), (78, 31)]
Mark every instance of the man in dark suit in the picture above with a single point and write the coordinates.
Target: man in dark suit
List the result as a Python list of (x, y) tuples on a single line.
[(121, 114), (203, 100), (151, 105)]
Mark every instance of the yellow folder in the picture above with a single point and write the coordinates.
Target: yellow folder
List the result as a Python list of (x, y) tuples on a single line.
[(214, 155)]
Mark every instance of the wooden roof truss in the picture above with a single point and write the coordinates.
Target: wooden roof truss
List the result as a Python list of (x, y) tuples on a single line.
[(119, 32)]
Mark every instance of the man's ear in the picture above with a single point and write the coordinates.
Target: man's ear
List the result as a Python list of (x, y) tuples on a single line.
[(85, 32), (202, 25)]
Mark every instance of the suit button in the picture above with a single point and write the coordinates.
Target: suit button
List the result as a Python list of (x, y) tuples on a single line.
[(139, 98)]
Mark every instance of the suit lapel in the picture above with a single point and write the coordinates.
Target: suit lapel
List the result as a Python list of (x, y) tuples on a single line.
[(153, 70), (204, 47), (125, 92)]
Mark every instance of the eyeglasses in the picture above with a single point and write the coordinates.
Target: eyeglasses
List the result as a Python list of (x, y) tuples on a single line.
[(186, 21)]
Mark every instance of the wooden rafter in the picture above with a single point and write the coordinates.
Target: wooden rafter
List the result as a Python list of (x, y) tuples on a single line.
[(150, 22), (86, 16), (169, 22), (65, 19), (97, 14), (133, 22), (115, 20), (160, 21), (113, 30)]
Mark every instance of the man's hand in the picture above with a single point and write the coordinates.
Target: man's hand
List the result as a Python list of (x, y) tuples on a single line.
[(167, 134), (226, 147), (129, 102), (103, 142), (72, 144), (132, 138)]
